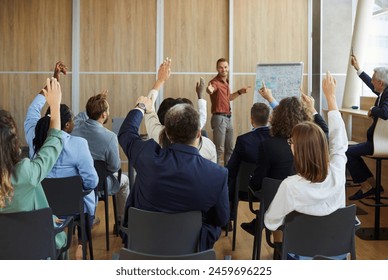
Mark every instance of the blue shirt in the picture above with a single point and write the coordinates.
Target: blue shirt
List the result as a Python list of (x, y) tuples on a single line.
[(75, 158)]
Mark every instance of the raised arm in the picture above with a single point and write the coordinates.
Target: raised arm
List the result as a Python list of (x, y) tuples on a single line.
[(152, 122), (202, 104)]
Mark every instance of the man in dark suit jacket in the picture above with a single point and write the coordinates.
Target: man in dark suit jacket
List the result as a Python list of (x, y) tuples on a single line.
[(356, 166), (247, 144), (176, 178)]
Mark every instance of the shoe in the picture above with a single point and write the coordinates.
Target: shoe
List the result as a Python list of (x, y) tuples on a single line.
[(96, 221), (229, 226), (78, 252), (360, 195), (249, 227)]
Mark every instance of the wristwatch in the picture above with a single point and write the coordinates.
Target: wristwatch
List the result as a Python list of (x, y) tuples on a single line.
[(142, 106)]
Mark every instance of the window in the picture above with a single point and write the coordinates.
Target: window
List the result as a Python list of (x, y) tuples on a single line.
[(377, 47)]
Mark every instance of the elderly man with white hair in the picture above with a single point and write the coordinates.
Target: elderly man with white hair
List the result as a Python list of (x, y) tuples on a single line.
[(356, 166)]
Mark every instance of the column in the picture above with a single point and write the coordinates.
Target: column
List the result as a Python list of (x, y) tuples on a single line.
[(362, 21)]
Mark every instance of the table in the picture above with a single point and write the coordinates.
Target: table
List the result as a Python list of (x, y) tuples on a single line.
[(347, 115)]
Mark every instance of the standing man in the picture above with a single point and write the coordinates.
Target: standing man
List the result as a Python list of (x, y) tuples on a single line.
[(356, 166), (221, 121)]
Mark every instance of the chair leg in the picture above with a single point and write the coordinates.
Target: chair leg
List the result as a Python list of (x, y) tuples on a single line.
[(89, 235), (234, 229), (83, 235), (107, 222), (115, 214)]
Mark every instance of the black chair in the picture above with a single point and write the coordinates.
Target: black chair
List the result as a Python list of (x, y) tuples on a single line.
[(240, 187), (330, 235), (65, 197), (268, 191), (127, 254), (160, 233), (103, 195), (30, 235)]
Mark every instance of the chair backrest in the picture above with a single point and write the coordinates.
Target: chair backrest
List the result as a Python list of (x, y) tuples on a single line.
[(64, 195), (330, 235), (127, 254), (380, 139), (102, 173), (116, 124), (269, 189), (27, 235), (163, 233), (244, 174)]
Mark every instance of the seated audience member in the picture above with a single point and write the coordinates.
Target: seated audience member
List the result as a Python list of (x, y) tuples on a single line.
[(356, 166), (275, 159), (154, 123), (177, 178), (20, 179), (318, 186), (246, 144), (103, 145), (75, 158)]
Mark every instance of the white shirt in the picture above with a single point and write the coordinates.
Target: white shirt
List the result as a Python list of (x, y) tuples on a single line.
[(319, 199), (154, 127)]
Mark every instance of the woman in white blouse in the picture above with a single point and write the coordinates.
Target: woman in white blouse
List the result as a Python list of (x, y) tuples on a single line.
[(318, 188)]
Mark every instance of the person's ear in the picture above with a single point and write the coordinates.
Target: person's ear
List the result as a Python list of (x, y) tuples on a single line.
[(199, 133)]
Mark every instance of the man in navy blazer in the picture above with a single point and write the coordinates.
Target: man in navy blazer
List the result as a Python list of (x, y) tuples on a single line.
[(356, 166), (176, 178), (247, 144)]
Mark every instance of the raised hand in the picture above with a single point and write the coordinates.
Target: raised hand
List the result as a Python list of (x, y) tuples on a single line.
[(164, 71), (200, 87), (59, 68), (266, 93), (53, 92), (329, 85), (53, 95), (308, 102), (354, 62)]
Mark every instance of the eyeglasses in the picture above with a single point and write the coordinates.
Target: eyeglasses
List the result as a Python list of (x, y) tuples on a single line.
[(289, 141)]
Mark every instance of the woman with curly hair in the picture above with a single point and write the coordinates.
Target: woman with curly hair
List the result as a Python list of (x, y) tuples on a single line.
[(275, 159)]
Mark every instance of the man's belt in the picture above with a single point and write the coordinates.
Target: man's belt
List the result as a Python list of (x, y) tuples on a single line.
[(223, 114)]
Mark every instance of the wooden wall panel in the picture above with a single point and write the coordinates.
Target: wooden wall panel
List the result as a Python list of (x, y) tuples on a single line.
[(118, 35), (19, 90), (268, 31), (265, 31), (123, 91), (34, 34), (196, 33)]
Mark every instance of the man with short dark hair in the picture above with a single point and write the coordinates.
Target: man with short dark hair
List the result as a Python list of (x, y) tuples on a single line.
[(177, 178), (247, 144), (221, 120), (103, 145)]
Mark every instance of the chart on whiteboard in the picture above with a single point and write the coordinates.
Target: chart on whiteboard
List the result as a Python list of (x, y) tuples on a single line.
[(284, 80)]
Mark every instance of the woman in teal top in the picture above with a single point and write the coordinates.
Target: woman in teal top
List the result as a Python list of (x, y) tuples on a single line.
[(20, 179)]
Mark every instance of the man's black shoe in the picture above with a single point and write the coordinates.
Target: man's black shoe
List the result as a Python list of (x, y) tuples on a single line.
[(360, 195), (249, 227)]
